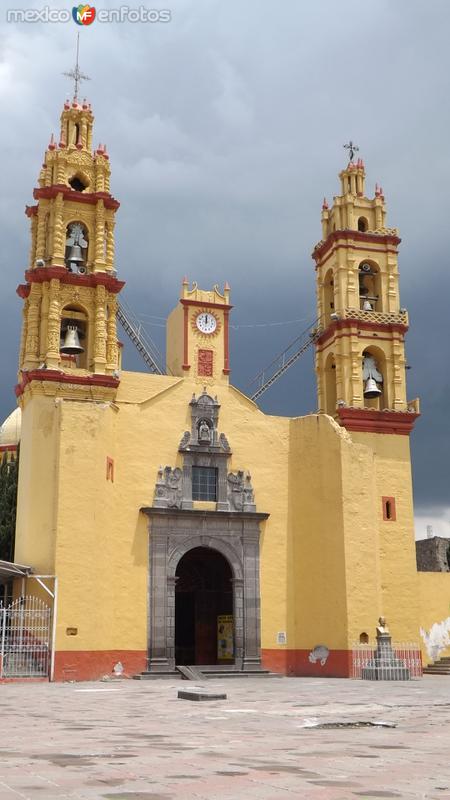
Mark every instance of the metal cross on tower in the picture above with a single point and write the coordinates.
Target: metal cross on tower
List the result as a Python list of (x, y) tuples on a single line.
[(76, 74), (352, 148)]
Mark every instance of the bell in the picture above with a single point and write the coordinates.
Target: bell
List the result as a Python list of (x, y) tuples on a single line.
[(367, 305), (371, 389), (72, 344), (75, 256)]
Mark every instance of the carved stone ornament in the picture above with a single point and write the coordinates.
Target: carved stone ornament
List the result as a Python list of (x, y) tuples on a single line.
[(240, 491), (202, 446), (168, 489)]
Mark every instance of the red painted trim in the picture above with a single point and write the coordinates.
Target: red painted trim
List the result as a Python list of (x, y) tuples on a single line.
[(8, 448), (31, 211), (359, 325), (369, 420), (297, 663), (186, 365), (23, 290), (354, 236), (90, 665), (226, 351), (56, 376), (50, 192), (393, 512), (43, 274), (204, 304)]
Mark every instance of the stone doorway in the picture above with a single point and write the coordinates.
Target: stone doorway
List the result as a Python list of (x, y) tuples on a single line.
[(204, 608), (174, 533)]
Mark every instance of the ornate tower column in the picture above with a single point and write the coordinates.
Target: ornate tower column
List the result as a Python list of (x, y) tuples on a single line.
[(69, 328), (360, 353)]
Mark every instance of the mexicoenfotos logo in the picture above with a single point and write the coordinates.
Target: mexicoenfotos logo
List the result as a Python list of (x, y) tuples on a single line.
[(83, 15)]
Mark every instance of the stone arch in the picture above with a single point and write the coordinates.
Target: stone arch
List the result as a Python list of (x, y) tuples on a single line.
[(220, 545)]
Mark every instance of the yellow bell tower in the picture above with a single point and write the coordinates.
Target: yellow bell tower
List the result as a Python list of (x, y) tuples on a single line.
[(69, 337), (360, 352)]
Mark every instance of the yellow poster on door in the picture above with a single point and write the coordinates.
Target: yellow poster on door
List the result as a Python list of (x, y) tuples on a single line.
[(225, 647)]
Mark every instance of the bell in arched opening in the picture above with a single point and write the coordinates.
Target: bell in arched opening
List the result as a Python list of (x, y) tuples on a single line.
[(76, 248), (371, 377)]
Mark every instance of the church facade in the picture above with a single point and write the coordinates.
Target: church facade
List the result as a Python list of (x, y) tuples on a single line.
[(184, 525)]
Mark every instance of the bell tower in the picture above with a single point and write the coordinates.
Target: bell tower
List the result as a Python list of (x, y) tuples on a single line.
[(69, 337), (360, 350)]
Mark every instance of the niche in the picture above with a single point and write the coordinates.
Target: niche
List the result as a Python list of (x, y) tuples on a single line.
[(363, 225), (369, 286), (77, 243), (330, 385), (74, 337), (373, 375)]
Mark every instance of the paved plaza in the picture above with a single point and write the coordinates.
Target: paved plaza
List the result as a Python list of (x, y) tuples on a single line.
[(130, 740)]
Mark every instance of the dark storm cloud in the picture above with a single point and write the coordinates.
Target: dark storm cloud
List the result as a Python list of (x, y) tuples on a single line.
[(225, 129)]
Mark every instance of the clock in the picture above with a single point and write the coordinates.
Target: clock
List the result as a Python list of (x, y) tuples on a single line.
[(206, 322)]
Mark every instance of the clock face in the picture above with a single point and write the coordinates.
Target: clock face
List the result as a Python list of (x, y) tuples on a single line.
[(206, 322)]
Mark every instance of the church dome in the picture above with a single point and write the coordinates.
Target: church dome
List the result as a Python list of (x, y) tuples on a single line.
[(10, 429)]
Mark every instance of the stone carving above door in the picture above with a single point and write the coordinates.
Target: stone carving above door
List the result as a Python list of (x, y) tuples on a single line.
[(204, 446)]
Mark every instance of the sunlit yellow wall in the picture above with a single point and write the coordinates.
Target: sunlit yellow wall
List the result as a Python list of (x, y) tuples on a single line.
[(434, 595), (398, 574)]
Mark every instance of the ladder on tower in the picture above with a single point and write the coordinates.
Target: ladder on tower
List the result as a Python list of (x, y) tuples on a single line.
[(140, 338), (270, 374)]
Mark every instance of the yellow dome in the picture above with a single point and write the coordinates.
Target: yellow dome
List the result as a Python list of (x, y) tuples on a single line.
[(10, 429)]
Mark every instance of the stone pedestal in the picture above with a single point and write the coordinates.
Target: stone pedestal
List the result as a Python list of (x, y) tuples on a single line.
[(385, 666)]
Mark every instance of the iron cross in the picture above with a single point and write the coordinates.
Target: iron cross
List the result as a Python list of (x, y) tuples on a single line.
[(76, 74), (352, 148)]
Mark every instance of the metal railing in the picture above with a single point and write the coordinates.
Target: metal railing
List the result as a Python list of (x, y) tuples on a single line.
[(25, 638), (404, 657)]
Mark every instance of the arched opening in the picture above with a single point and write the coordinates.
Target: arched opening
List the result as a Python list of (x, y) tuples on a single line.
[(363, 224), (364, 638), (374, 379), (78, 183), (328, 295), (330, 385), (77, 243), (74, 337), (369, 286), (204, 623)]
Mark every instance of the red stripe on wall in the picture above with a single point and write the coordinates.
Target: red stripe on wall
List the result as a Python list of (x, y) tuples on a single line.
[(297, 663), (90, 665)]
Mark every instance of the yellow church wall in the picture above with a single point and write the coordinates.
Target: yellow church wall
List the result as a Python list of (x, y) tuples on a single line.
[(434, 615), (398, 574), (102, 538), (37, 487)]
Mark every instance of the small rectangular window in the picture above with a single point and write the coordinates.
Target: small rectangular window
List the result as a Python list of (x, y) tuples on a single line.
[(389, 512), (204, 483)]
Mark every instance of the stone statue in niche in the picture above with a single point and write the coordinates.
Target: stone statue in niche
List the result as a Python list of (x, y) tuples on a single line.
[(168, 489), (204, 432), (240, 491)]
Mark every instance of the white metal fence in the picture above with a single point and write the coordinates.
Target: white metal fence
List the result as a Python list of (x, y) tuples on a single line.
[(368, 663), (25, 636)]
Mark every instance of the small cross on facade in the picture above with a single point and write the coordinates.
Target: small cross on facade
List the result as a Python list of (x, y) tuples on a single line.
[(76, 74), (352, 148)]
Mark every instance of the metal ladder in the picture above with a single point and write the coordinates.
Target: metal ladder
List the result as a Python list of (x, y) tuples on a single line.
[(270, 374), (140, 338)]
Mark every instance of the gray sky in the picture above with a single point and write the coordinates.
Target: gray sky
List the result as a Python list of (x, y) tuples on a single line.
[(225, 129)]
